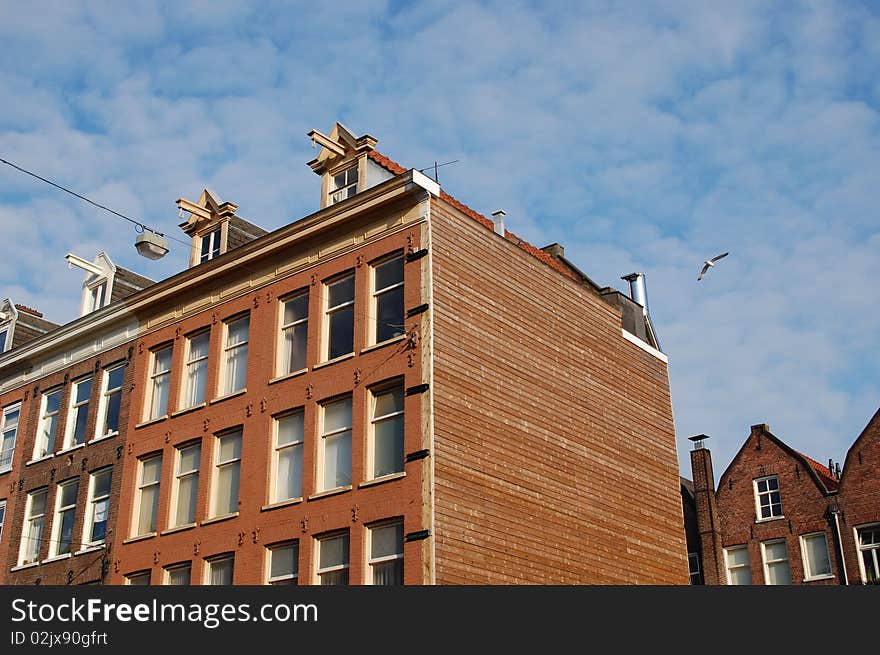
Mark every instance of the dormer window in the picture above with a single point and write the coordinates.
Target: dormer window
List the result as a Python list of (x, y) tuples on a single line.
[(210, 245), (97, 297), (4, 332), (344, 185)]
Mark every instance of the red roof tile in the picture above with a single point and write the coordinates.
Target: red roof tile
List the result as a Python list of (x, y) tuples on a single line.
[(397, 169), (824, 473)]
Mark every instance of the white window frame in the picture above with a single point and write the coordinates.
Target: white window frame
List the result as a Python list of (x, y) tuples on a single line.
[(728, 566), (873, 549), (171, 569), (296, 328), (42, 447), (135, 575), (278, 450), (187, 401), (220, 464), (91, 502), (348, 188), (287, 578), (344, 566), (212, 562), (97, 295), (139, 494), (330, 310), (759, 494), (2, 517), (6, 336), (209, 236), (107, 393), (378, 390), (157, 378), (808, 574), (178, 477), (334, 434), (694, 559), (372, 561), (28, 524), (74, 407), (376, 293), (230, 351), (767, 563), (58, 518), (5, 430)]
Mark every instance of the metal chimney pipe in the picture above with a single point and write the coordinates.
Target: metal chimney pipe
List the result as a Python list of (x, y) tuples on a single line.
[(498, 220), (637, 290)]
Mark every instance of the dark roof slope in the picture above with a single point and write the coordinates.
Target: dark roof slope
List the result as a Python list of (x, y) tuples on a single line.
[(127, 282)]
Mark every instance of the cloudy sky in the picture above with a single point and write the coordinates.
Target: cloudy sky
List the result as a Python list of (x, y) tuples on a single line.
[(642, 136)]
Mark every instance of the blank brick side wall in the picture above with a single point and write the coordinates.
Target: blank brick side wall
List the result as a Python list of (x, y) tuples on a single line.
[(554, 441)]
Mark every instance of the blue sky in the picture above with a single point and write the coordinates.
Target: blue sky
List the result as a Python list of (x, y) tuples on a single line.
[(642, 136)]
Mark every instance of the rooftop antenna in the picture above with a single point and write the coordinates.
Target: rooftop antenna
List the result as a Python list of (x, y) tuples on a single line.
[(435, 167)]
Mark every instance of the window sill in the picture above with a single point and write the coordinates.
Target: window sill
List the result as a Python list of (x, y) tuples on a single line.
[(72, 448), (90, 549), (39, 459), (139, 537), (109, 435), (382, 344), (384, 478), (158, 419), (830, 576), (217, 519), (770, 519), (330, 492), (281, 503), (56, 558), (5, 470), (178, 528), (336, 360), (220, 399), (186, 410), (287, 376), (22, 567)]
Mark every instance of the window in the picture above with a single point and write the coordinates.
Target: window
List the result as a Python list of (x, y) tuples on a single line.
[(294, 333), (333, 560), (736, 560), (32, 531), (344, 185), (178, 574), (869, 553), (8, 430), (65, 515), (386, 431), (228, 464), (78, 417), (817, 563), (340, 317), (160, 380), (186, 484), (2, 517), (219, 570), (45, 442), (210, 245), (694, 568), (111, 399), (386, 554), (336, 444), (235, 354), (284, 563), (97, 507), (767, 498), (148, 494), (288, 457), (387, 307), (139, 578), (96, 297), (196, 369), (776, 569), (3, 334)]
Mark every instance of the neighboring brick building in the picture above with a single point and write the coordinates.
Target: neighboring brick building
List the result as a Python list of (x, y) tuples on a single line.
[(392, 389), (779, 517)]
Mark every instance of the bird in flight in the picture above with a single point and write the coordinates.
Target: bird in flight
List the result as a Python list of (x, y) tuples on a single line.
[(709, 263)]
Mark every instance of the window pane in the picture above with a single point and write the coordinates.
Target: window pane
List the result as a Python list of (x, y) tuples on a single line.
[(190, 458), (66, 532), (334, 551), (81, 422), (149, 505), (284, 561), (111, 423), (238, 332), (340, 292), (160, 396), (776, 550), (230, 447), (289, 481), (389, 314), (186, 499), (389, 402), (163, 361), (337, 460), (152, 470), (83, 390), (221, 572), (818, 562), (68, 494), (53, 402), (341, 332), (337, 415), (339, 577), (388, 573), (296, 309), (389, 273), (227, 490), (388, 446), (236, 368), (290, 429), (102, 483), (295, 345), (386, 540), (778, 573), (179, 575), (741, 576), (99, 521), (116, 377), (38, 506)]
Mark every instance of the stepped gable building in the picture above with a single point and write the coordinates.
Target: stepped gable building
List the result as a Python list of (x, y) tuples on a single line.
[(780, 517), (394, 389)]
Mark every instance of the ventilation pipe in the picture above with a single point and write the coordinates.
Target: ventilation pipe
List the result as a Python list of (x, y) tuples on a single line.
[(639, 294), (498, 220)]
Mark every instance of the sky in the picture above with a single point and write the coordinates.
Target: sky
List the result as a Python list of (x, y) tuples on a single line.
[(642, 136)]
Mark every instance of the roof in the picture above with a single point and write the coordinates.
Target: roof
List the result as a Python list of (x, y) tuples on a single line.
[(552, 262), (831, 483), (133, 278)]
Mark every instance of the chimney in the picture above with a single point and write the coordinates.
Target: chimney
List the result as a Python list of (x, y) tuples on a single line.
[(831, 466), (639, 294), (498, 219), (555, 250), (837, 470)]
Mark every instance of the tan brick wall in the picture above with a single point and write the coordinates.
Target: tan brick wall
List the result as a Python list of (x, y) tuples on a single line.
[(555, 456)]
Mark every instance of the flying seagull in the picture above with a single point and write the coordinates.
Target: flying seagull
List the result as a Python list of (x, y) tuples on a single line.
[(710, 262)]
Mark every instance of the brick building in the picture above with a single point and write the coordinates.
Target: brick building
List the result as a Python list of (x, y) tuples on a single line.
[(394, 389), (780, 517)]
